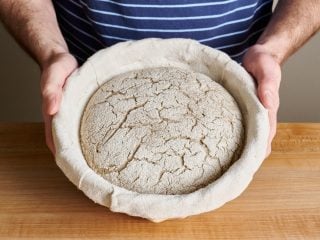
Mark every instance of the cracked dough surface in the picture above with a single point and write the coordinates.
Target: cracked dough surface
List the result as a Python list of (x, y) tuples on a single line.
[(161, 130)]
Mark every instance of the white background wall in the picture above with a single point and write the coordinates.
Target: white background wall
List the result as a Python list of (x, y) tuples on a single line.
[(20, 97)]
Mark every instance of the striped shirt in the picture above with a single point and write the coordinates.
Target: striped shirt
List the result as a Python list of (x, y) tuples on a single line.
[(228, 25)]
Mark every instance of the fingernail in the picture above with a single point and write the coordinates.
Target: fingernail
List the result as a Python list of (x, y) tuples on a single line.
[(268, 99), (52, 107)]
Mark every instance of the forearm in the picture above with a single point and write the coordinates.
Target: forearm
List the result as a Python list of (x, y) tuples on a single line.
[(292, 24), (33, 24)]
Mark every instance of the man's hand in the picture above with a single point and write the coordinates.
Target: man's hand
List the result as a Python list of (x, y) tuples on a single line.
[(266, 70), (54, 74), (34, 25), (292, 24)]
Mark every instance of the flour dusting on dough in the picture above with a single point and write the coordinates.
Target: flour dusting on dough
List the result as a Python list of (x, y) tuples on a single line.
[(161, 130)]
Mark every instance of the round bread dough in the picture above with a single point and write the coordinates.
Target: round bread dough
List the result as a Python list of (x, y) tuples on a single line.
[(161, 130)]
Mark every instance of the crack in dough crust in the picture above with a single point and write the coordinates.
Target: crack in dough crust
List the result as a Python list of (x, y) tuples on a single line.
[(161, 130)]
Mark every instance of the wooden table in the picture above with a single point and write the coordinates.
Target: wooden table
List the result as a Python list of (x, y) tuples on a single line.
[(37, 201)]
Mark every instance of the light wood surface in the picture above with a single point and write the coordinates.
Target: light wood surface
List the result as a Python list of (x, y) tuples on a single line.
[(37, 201)]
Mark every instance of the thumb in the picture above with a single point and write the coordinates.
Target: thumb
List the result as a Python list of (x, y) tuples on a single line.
[(53, 78), (269, 96), (52, 81), (51, 98)]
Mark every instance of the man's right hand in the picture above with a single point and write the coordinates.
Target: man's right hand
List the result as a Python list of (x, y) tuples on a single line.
[(34, 25), (55, 71)]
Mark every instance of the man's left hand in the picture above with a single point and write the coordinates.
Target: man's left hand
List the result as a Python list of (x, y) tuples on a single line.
[(266, 70)]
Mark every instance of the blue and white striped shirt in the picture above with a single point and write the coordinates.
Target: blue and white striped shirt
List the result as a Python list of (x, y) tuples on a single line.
[(229, 25)]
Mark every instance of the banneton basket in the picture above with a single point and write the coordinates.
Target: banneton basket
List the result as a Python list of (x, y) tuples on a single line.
[(151, 53)]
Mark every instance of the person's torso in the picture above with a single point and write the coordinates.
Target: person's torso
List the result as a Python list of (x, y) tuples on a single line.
[(229, 25)]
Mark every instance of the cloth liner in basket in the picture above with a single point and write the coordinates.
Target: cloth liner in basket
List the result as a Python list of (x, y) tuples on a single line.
[(151, 53)]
